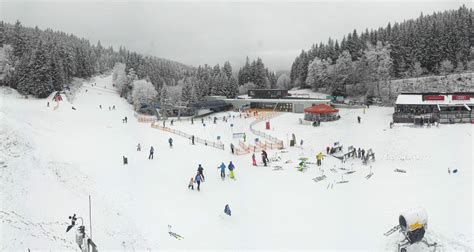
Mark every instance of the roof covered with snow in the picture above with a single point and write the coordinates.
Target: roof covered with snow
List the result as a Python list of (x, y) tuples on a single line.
[(441, 99)]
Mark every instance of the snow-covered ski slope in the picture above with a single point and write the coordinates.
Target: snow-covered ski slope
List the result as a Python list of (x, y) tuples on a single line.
[(51, 160)]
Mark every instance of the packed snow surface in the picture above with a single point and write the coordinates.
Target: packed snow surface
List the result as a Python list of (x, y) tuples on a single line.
[(51, 160)]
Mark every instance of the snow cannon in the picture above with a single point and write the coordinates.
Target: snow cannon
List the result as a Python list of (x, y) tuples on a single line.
[(413, 224)]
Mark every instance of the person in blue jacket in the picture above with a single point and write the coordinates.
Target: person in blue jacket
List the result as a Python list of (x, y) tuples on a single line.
[(198, 180), (231, 169), (222, 167)]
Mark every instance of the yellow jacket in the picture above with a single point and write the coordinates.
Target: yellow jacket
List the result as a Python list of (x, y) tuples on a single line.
[(319, 156)]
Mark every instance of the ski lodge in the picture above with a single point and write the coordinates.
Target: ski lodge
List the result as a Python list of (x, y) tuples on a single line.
[(421, 108), (274, 99)]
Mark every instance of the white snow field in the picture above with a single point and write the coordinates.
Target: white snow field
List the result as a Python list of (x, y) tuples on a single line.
[(51, 160)]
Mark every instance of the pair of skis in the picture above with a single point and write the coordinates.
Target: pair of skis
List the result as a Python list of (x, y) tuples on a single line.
[(173, 234)]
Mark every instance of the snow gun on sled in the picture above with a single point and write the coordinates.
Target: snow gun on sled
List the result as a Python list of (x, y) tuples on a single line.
[(413, 225)]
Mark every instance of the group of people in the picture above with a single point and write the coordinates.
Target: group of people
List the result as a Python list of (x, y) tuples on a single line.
[(231, 168)]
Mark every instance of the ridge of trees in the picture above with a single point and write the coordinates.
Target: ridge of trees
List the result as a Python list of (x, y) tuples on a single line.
[(440, 43)]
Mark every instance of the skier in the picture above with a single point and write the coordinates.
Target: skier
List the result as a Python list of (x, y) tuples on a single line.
[(47, 105), (358, 119), (100, 106), (264, 159), (170, 141), (264, 153), (232, 148), (227, 210), (198, 180), (222, 167), (254, 161), (449, 171), (202, 120), (327, 150), (192, 121), (110, 108), (245, 137), (231, 169), (319, 157), (152, 150), (191, 184), (200, 171), (113, 107), (192, 139), (301, 165), (139, 147), (125, 160), (301, 143), (172, 122)]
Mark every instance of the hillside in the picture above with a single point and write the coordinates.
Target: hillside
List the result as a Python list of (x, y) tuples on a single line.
[(51, 160)]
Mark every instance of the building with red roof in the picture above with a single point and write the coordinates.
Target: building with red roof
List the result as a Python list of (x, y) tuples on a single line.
[(321, 112)]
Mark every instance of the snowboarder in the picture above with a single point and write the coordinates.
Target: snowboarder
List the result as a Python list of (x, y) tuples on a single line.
[(152, 150), (358, 119), (198, 180), (191, 184), (222, 167), (139, 147), (170, 141), (200, 171), (254, 161), (192, 139), (319, 157), (227, 210), (232, 148), (231, 169)]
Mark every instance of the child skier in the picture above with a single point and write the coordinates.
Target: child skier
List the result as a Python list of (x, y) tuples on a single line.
[(254, 161), (227, 210), (170, 141), (222, 167), (191, 184), (198, 180), (231, 169)]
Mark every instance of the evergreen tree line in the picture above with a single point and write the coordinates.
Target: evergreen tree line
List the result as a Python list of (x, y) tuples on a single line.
[(434, 44), (40, 62), (255, 73)]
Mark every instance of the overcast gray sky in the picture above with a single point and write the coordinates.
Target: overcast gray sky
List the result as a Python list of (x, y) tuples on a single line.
[(212, 32)]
